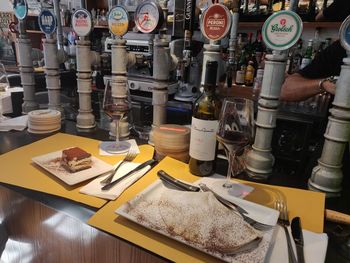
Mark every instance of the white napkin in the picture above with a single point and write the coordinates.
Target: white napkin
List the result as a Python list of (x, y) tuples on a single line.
[(94, 187), (133, 146), (315, 247), (18, 124), (6, 99)]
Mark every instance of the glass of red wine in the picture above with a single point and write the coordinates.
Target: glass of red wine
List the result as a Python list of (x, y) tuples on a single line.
[(235, 132), (116, 108)]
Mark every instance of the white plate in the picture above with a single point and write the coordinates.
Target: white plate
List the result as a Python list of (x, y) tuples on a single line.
[(51, 163), (154, 191)]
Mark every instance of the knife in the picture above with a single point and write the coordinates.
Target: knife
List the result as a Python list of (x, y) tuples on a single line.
[(164, 176), (132, 172), (297, 234), (177, 183)]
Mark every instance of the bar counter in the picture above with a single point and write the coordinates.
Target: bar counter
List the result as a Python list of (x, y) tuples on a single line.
[(39, 227)]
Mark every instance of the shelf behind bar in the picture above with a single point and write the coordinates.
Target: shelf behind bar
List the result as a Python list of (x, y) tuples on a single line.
[(237, 91)]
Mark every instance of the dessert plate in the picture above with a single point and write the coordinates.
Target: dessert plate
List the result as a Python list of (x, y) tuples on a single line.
[(151, 195), (51, 162)]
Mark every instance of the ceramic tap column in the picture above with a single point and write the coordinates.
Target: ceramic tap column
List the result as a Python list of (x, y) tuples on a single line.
[(53, 83), (26, 70), (85, 118), (259, 161), (327, 176)]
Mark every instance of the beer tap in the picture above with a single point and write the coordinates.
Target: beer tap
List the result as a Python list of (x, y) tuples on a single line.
[(150, 16), (48, 24), (24, 48), (327, 176), (280, 32), (185, 88), (118, 24), (231, 62), (214, 14), (82, 25)]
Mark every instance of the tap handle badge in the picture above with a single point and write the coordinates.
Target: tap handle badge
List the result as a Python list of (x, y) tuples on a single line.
[(282, 30), (344, 34), (82, 22), (20, 8), (47, 22), (118, 21), (215, 22)]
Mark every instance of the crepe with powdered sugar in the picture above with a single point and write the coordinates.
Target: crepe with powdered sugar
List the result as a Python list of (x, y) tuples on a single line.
[(198, 219)]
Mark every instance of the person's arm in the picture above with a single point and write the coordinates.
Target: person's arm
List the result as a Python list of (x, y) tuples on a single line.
[(298, 88)]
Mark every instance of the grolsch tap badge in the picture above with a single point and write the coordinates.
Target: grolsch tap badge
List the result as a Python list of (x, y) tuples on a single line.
[(282, 30), (82, 22), (216, 22)]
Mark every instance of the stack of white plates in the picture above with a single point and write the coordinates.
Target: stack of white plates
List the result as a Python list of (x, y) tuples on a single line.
[(44, 121)]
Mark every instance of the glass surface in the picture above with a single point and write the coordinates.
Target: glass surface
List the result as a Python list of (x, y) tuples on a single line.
[(143, 129), (116, 109), (235, 132), (4, 86)]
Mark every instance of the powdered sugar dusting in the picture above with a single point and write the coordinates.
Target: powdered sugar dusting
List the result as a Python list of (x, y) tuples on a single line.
[(200, 221)]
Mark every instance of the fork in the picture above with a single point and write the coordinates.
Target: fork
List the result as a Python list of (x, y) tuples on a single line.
[(257, 225), (129, 157), (283, 221)]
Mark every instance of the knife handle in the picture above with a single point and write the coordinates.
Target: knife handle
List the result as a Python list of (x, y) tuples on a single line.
[(165, 176), (337, 217)]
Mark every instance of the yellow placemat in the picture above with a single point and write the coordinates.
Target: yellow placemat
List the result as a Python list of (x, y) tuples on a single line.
[(310, 210), (18, 169)]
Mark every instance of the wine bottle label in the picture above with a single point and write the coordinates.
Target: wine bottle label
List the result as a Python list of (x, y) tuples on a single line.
[(240, 76), (203, 139)]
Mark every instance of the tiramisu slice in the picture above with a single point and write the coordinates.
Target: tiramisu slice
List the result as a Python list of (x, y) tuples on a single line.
[(76, 159)]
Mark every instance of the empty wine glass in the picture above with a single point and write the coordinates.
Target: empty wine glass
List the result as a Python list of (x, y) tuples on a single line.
[(116, 108), (235, 132), (4, 85)]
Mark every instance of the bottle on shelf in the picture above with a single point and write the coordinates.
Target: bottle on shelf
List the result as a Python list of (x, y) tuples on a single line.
[(307, 58), (241, 68), (295, 58), (206, 110), (249, 74)]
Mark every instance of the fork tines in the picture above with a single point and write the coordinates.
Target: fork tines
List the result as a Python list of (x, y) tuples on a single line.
[(129, 157)]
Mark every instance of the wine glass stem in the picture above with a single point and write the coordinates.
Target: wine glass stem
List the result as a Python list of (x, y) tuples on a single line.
[(230, 158), (116, 131)]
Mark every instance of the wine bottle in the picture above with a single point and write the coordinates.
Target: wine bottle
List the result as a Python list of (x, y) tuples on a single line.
[(308, 55), (204, 125), (241, 69)]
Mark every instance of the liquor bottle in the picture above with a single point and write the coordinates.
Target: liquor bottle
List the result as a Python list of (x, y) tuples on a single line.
[(258, 47), (308, 55), (205, 117), (249, 73), (241, 68), (295, 58)]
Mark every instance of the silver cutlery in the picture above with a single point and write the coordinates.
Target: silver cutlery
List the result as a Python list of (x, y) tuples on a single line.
[(132, 172), (283, 221), (129, 157), (297, 234), (202, 187)]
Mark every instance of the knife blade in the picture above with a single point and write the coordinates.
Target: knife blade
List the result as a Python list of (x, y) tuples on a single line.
[(132, 172), (177, 183), (297, 234)]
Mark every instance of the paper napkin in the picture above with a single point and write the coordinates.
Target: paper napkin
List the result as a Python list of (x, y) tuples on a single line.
[(94, 187), (315, 247), (18, 124)]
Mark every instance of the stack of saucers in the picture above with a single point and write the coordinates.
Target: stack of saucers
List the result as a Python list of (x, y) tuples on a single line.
[(44, 121)]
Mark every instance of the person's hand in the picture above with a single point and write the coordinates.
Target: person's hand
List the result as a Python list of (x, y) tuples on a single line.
[(329, 86)]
